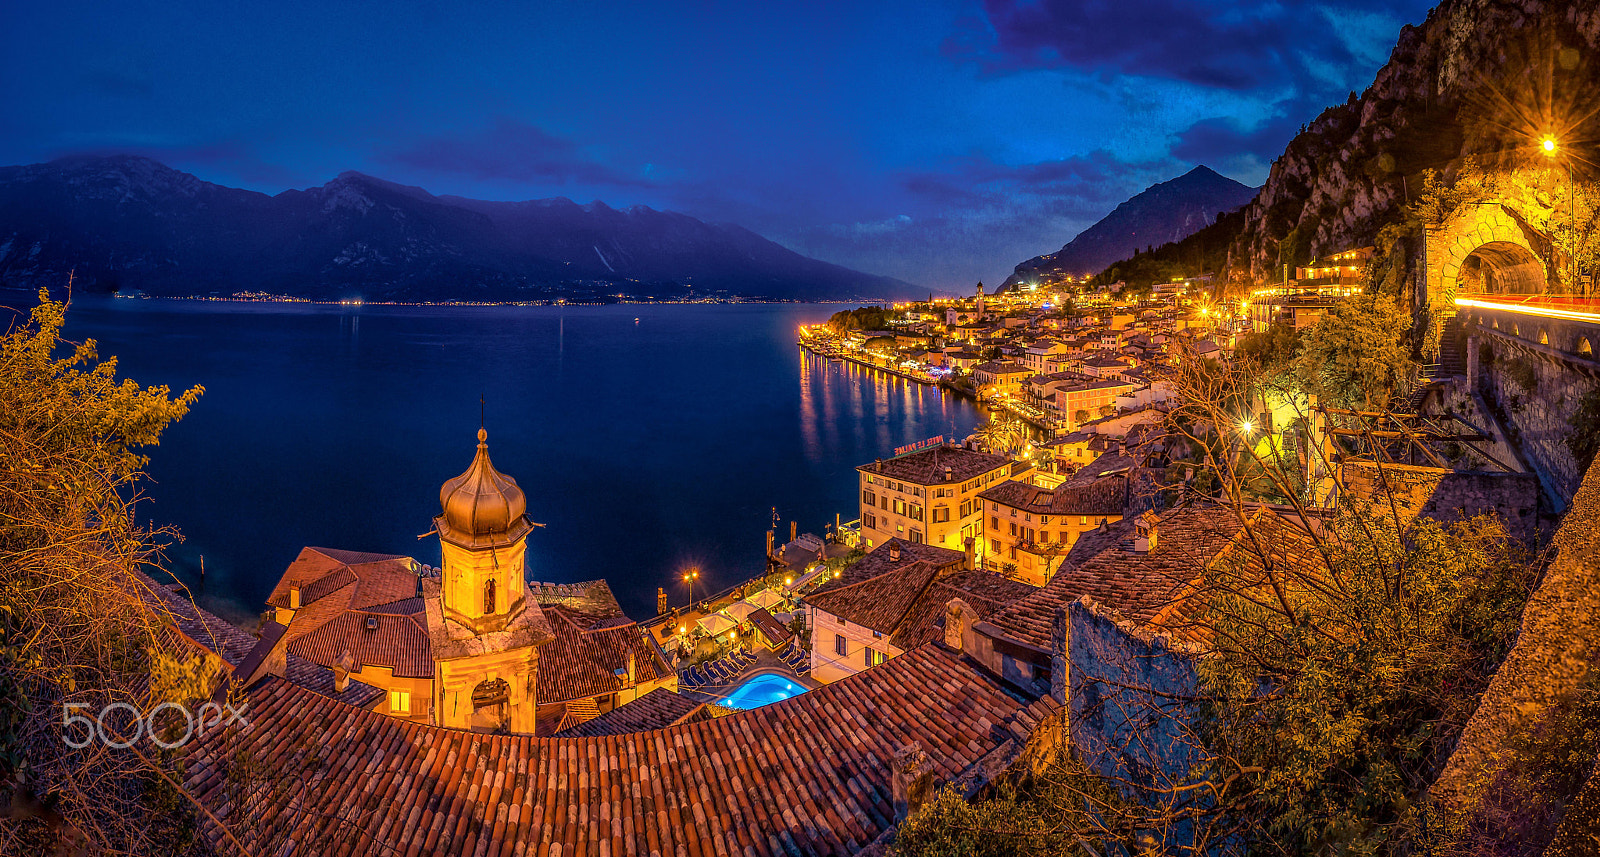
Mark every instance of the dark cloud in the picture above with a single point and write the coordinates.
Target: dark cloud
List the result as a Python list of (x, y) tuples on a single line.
[(1294, 57), (1072, 187), (1222, 139), (512, 151), (1231, 44)]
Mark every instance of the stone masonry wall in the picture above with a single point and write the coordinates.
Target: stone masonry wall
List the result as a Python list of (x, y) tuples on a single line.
[(1559, 643), (1129, 698), (1537, 388), (1446, 495)]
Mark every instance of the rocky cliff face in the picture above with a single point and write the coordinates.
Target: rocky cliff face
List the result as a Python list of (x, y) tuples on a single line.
[(1486, 79)]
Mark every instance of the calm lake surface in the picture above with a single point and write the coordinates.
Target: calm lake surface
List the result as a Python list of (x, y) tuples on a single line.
[(644, 448)]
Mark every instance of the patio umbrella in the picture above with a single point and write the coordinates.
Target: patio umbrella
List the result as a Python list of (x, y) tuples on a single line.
[(766, 599), (716, 624), (740, 610)]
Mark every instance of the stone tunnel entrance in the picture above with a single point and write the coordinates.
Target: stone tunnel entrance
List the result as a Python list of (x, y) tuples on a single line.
[(1485, 249), (1501, 268)]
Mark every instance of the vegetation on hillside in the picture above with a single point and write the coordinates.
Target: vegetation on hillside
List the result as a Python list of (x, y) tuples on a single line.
[(76, 625)]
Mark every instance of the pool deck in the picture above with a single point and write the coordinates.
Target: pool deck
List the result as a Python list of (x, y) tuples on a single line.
[(765, 662)]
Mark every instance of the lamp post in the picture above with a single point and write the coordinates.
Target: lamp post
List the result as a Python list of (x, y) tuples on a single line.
[(690, 577), (1552, 150)]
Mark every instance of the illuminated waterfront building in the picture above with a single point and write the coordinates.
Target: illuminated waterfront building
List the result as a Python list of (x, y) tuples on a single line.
[(930, 495)]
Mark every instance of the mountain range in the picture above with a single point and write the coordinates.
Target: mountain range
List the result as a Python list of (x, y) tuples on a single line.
[(1162, 213), (127, 223)]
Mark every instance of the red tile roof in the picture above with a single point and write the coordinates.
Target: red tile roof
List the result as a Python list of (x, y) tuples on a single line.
[(984, 591), (593, 639), (1167, 590), (321, 572), (926, 466), (657, 709), (809, 775), (1076, 497), (1140, 586), (399, 642), (877, 562)]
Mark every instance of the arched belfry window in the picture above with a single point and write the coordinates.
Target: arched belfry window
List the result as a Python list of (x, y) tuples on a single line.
[(488, 596)]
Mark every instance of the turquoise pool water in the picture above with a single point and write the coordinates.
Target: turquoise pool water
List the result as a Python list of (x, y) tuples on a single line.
[(763, 689)]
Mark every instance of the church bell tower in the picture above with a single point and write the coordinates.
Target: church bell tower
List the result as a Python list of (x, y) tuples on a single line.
[(484, 626)]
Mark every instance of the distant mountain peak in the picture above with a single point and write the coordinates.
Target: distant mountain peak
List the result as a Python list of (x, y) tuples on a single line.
[(1165, 211), (130, 222)]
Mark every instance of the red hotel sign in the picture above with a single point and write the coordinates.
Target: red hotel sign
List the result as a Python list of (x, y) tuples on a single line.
[(921, 444)]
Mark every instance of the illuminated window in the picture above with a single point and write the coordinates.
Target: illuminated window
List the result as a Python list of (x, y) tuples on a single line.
[(400, 702), (1584, 347), (488, 596)]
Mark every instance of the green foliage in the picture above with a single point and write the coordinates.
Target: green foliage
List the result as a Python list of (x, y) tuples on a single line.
[(1272, 350), (75, 628), (1204, 251), (1345, 693), (861, 318), (1358, 354), (1045, 815), (1584, 439)]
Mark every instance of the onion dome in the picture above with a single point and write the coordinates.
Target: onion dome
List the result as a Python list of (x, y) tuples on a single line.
[(482, 507)]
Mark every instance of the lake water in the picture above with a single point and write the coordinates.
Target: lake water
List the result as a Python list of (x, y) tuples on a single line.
[(644, 448)]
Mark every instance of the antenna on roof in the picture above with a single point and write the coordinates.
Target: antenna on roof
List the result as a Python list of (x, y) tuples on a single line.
[(480, 410)]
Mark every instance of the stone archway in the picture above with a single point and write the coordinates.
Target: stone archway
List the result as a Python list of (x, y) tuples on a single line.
[(1501, 268), (490, 701), (1484, 249)]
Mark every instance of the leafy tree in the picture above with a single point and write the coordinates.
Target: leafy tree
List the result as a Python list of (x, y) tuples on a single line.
[(1358, 354), (1344, 695), (76, 624)]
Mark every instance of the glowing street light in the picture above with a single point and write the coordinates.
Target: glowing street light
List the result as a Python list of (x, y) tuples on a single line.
[(1550, 146), (690, 577), (1246, 426)]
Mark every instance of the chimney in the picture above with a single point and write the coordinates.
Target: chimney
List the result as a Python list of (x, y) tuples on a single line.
[(911, 780), (633, 670), (1144, 532), (878, 465), (894, 551), (794, 530), (971, 554), (341, 671)]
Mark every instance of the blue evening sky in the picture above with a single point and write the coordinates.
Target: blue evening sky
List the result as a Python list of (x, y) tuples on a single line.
[(939, 142)]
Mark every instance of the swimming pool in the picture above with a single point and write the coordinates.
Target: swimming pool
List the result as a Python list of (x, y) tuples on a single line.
[(762, 689)]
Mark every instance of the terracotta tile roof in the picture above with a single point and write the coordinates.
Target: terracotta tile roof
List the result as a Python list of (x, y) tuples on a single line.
[(321, 572), (319, 679), (769, 626), (984, 591), (877, 562), (657, 709), (212, 633), (878, 602), (400, 642), (1076, 497), (809, 775), (589, 649), (1140, 586), (926, 466)]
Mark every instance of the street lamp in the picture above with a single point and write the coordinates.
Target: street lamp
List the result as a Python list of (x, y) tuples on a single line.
[(1551, 150), (690, 577)]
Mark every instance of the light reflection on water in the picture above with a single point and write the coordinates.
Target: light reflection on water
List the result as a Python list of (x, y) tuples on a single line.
[(644, 448)]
